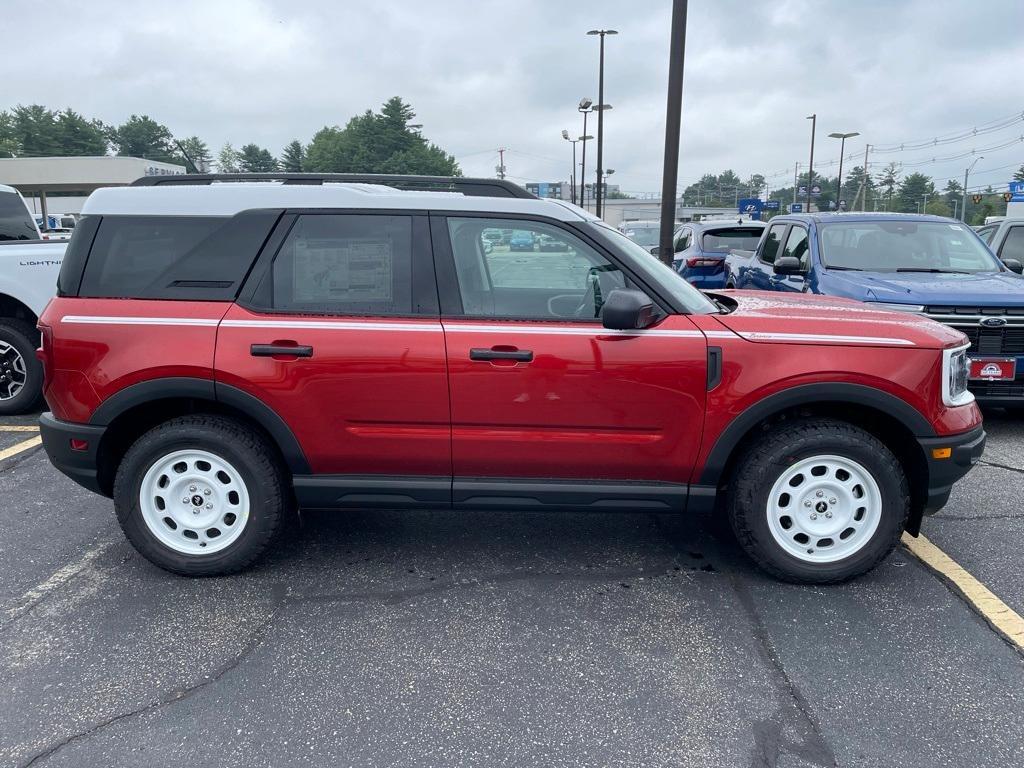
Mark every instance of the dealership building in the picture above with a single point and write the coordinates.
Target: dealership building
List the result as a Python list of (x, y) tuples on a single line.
[(61, 184)]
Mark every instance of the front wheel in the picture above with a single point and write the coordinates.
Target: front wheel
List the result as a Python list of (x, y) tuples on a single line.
[(200, 495), (818, 501)]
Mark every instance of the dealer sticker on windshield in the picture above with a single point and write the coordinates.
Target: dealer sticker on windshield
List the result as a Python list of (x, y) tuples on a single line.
[(993, 368)]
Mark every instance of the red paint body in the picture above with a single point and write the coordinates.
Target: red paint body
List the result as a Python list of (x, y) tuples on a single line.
[(402, 397)]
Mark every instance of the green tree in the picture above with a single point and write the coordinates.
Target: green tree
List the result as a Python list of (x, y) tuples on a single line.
[(141, 136), (228, 159), (9, 144), (887, 180), (386, 142), (912, 192), (35, 131), (1019, 174), (196, 154), (858, 189), (293, 158), (78, 136), (256, 159), (939, 207)]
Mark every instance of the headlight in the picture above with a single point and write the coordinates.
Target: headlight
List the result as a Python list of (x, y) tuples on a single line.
[(955, 368), (897, 307)]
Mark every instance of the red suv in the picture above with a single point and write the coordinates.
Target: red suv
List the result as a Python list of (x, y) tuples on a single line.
[(220, 354)]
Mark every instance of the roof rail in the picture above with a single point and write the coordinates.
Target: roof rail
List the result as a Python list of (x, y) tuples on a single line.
[(459, 184)]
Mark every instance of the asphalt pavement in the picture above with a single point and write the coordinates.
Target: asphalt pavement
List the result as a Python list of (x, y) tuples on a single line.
[(443, 639)]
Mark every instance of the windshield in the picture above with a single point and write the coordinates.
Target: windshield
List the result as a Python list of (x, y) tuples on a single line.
[(724, 240), (645, 236), (666, 278), (904, 246)]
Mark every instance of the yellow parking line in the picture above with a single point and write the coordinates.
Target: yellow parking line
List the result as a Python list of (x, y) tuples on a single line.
[(24, 445), (1003, 619), (17, 428)]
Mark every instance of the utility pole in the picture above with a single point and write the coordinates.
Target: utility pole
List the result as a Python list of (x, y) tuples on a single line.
[(501, 163), (967, 172), (673, 121), (810, 166), (863, 183), (796, 180)]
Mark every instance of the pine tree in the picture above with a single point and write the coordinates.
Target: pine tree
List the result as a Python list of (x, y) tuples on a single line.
[(293, 158)]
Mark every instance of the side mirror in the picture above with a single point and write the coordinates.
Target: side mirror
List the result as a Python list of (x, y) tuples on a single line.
[(788, 265), (656, 250), (1014, 266), (627, 310)]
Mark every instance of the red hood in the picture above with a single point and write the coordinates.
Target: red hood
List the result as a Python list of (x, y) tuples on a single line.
[(800, 318)]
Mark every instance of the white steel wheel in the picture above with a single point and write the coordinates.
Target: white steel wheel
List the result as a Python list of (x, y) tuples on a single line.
[(824, 508), (13, 371), (194, 502)]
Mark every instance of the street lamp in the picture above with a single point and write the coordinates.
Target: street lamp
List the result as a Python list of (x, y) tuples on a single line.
[(810, 166), (572, 175), (963, 204), (600, 115), (842, 146), (585, 108)]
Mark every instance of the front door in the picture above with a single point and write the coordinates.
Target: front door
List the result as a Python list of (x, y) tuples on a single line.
[(539, 388), (342, 340)]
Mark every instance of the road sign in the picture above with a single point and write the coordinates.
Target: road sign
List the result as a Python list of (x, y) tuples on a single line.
[(772, 205), (1017, 192), (816, 190), (796, 207), (976, 199)]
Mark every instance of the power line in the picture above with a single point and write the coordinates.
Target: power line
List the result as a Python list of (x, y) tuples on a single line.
[(985, 128)]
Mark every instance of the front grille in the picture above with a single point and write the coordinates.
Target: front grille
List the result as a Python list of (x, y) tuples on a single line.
[(1005, 340)]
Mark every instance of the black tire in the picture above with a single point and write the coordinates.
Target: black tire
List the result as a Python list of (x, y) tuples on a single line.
[(249, 454), (768, 457), (24, 338)]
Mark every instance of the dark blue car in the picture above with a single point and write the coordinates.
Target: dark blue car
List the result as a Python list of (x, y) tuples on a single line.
[(701, 248), (928, 265)]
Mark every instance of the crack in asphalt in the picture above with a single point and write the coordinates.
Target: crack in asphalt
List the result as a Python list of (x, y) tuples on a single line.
[(770, 742), (282, 598), (278, 601), (997, 465)]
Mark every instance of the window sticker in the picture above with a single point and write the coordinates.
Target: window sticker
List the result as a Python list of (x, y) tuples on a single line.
[(343, 270)]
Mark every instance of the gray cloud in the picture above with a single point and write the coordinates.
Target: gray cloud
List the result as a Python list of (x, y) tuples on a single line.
[(489, 73)]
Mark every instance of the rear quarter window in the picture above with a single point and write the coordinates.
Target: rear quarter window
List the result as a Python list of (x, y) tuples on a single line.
[(15, 220), (173, 257)]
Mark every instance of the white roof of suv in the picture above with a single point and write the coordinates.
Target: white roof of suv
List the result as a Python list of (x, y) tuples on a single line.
[(229, 198)]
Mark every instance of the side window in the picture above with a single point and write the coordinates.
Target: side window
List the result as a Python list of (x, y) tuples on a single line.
[(1013, 245), (985, 233), (345, 265), (797, 246), (684, 240), (771, 243), (543, 272)]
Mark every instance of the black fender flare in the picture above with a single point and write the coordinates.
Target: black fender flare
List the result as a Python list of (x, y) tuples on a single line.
[(207, 389), (808, 394)]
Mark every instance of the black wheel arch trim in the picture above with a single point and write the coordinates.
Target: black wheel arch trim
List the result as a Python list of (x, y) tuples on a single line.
[(808, 394), (207, 389)]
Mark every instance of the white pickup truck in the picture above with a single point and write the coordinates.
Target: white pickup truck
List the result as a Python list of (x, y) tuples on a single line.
[(1005, 237), (28, 280)]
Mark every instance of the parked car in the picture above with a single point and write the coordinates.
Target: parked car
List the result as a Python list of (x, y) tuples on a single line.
[(925, 265), (1005, 238), (701, 248), (220, 352), (521, 240), (548, 243), (28, 280), (643, 233)]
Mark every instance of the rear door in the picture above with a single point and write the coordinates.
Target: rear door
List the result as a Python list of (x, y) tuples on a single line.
[(539, 389), (338, 332)]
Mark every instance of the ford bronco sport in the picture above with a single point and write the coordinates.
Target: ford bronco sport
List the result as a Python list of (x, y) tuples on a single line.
[(220, 354)]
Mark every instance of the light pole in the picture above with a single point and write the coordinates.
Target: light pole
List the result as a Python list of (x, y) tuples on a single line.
[(963, 204), (572, 174), (601, 106), (673, 124), (842, 147), (810, 166), (584, 108)]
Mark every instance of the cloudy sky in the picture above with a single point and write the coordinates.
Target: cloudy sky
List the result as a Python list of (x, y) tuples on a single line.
[(483, 74)]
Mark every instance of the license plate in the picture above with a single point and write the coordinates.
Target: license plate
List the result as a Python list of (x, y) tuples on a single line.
[(993, 368)]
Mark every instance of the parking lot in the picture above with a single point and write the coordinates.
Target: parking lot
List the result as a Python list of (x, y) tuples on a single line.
[(512, 639)]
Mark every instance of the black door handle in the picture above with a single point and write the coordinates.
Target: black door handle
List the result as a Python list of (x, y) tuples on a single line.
[(272, 350), (521, 355)]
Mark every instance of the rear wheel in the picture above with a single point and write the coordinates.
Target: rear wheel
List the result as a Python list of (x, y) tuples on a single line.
[(200, 495), (818, 501), (21, 374)]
